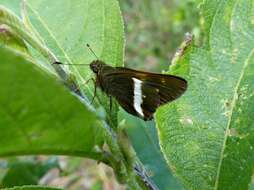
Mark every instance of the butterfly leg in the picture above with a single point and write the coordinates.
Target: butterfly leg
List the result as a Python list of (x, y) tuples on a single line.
[(94, 94), (88, 80), (95, 87)]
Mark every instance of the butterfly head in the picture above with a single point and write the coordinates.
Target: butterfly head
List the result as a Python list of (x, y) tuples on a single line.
[(96, 65)]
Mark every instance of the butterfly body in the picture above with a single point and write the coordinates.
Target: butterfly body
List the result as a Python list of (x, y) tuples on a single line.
[(139, 93)]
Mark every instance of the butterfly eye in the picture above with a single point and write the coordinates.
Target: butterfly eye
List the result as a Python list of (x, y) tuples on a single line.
[(94, 66)]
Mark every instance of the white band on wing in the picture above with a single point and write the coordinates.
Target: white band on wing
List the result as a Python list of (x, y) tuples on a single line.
[(138, 96)]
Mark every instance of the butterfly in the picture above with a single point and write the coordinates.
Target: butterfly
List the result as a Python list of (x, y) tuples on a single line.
[(137, 92)]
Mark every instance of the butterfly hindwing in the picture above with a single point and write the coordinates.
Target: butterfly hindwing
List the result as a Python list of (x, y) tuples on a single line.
[(121, 88)]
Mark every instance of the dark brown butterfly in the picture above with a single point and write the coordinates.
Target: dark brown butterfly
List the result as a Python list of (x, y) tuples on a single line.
[(139, 93)]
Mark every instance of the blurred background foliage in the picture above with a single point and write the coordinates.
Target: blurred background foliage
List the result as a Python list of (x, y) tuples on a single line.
[(154, 30)]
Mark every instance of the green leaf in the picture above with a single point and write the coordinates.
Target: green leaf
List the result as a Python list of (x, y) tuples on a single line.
[(31, 187), (207, 135), (66, 27), (39, 115)]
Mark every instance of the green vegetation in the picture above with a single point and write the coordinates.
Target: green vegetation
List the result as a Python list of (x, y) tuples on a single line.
[(154, 29)]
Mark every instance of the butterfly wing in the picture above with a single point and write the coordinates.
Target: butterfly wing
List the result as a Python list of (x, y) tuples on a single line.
[(121, 88), (141, 93)]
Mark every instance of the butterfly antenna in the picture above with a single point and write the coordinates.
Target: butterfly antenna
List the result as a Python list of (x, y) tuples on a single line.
[(59, 63), (88, 46)]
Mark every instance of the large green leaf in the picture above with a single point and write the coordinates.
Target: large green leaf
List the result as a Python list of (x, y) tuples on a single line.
[(207, 135), (38, 115)]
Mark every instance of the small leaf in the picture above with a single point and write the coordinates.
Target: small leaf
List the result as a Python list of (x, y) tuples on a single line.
[(207, 135)]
